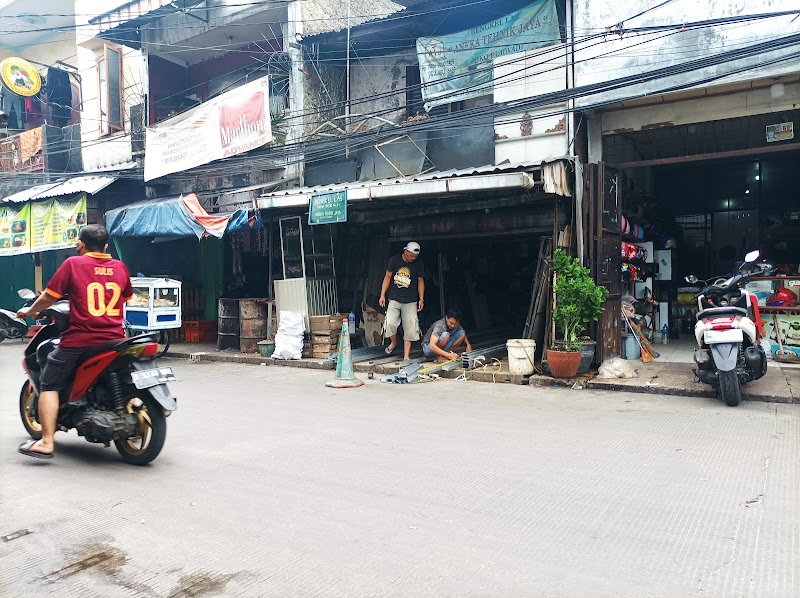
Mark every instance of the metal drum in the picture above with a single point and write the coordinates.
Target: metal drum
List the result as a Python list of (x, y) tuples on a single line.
[(252, 324), (228, 324)]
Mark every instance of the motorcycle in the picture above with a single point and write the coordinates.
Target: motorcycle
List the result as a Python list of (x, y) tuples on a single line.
[(10, 325), (119, 392), (728, 332)]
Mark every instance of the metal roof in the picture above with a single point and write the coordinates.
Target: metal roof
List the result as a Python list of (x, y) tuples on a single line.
[(447, 174), (80, 184)]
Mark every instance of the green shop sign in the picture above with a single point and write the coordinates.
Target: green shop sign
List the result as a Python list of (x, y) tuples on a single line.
[(328, 208)]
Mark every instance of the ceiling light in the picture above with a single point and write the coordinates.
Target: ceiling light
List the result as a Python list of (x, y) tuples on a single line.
[(747, 192), (758, 177)]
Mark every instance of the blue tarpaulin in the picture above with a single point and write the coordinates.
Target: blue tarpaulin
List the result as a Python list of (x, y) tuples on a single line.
[(181, 216)]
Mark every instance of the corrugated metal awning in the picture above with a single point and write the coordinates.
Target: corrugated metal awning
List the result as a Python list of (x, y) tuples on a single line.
[(81, 184), (483, 178), (122, 24)]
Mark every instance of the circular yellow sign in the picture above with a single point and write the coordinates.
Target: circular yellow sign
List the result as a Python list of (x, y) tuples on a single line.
[(20, 76)]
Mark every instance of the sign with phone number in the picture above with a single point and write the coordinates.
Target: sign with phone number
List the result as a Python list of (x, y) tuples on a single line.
[(328, 208)]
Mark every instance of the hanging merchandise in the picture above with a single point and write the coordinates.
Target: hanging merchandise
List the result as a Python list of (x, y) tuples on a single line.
[(59, 96), (625, 225), (783, 297)]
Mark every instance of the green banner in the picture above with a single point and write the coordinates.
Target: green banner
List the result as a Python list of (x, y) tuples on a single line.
[(56, 223), (328, 208), (15, 229), (459, 66)]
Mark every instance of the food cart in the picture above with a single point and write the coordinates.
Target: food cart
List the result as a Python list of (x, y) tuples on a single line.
[(154, 307)]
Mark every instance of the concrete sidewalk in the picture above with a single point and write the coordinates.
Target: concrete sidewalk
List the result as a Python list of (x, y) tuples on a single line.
[(662, 377)]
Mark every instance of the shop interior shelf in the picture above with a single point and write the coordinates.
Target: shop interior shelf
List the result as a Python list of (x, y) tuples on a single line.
[(632, 239), (794, 277), (775, 309)]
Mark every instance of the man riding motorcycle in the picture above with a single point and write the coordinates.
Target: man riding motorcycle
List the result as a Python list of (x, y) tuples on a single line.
[(97, 287)]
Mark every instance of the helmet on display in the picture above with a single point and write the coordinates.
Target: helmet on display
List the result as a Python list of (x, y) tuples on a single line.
[(782, 298)]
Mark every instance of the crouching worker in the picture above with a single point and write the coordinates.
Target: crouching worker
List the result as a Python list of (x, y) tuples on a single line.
[(444, 336)]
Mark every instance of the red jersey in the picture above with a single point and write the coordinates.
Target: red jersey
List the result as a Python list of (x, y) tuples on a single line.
[(97, 286)]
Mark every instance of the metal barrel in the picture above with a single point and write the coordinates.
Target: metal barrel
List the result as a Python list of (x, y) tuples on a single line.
[(228, 324), (252, 324)]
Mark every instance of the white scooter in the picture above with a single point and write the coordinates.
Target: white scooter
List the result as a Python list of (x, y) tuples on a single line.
[(729, 331)]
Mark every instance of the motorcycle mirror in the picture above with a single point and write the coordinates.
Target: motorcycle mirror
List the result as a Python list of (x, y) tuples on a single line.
[(691, 279), (752, 256), (26, 294)]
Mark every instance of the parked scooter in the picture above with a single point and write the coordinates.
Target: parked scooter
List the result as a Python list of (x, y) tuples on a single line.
[(10, 325), (729, 330)]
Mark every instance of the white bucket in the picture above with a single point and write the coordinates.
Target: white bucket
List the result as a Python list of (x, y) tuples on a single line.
[(520, 355)]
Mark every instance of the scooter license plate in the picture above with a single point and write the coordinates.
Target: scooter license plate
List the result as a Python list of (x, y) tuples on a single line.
[(148, 378), (713, 337)]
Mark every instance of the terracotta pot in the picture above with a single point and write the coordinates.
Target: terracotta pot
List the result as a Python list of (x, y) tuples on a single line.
[(563, 364)]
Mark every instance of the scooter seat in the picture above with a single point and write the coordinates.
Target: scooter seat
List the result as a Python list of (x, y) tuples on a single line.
[(101, 348)]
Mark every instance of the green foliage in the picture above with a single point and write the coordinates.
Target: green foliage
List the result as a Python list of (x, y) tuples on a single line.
[(578, 299)]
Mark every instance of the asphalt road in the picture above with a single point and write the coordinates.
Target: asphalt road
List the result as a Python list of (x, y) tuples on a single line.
[(271, 484)]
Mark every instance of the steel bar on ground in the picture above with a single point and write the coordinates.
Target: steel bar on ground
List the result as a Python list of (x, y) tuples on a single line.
[(481, 357)]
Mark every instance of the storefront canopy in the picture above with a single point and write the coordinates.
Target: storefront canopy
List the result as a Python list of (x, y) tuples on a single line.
[(552, 176), (181, 216)]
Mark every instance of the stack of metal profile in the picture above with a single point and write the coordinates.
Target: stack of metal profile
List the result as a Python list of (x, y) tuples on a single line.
[(480, 357)]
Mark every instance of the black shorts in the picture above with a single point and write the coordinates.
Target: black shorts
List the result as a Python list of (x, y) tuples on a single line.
[(60, 368)]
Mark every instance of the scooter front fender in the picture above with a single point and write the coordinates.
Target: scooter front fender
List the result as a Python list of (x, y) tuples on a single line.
[(726, 355)]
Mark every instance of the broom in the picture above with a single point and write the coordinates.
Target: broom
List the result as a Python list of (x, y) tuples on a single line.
[(782, 355), (646, 357)]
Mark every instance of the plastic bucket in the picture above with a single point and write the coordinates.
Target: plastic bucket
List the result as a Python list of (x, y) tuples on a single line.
[(520, 355), (632, 350)]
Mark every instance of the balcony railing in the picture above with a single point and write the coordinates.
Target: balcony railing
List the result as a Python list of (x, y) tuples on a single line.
[(23, 152)]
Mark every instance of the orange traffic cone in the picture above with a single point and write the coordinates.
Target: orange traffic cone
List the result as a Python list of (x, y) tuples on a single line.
[(345, 378)]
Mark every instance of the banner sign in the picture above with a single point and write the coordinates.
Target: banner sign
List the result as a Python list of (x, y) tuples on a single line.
[(328, 208), (20, 76), (15, 230), (56, 223), (459, 66), (230, 124), (780, 132)]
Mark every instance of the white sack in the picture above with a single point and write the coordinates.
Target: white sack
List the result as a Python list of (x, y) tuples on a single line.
[(289, 339)]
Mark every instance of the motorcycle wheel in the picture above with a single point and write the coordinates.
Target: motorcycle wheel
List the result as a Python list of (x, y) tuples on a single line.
[(27, 411), (163, 341), (142, 449), (729, 388)]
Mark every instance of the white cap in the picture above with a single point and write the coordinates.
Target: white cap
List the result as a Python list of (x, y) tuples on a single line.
[(412, 247)]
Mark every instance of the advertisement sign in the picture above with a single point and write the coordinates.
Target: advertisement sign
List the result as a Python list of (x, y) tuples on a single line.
[(328, 208), (459, 66), (56, 223), (230, 124), (780, 132), (15, 230), (20, 76)]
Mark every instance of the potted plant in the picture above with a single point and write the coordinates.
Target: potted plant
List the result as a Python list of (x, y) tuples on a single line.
[(578, 301)]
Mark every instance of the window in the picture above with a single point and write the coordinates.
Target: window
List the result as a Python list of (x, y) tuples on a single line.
[(109, 69)]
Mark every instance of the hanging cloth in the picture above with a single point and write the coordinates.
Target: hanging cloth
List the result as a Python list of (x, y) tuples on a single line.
[(30, 143), (59, 95)]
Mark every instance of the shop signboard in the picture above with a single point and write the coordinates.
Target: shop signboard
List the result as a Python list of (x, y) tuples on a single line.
[(56, 223), (328, 208), (20, 76), (235, 122), (459, 66), (15, 230), (780, 132)]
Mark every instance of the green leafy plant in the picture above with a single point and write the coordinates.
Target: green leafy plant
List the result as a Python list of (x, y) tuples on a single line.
[(578, 299)]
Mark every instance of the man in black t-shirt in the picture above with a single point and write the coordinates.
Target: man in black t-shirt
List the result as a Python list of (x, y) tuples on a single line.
[(404, 287)]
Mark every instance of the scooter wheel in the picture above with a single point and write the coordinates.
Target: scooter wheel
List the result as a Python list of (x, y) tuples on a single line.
[(3, 334), (729, 388), (27, 411)]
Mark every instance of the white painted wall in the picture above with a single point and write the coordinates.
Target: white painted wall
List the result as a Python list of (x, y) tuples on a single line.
[(61, 47), (114, 150), (734, 105), (618, 57), (526, 75)]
